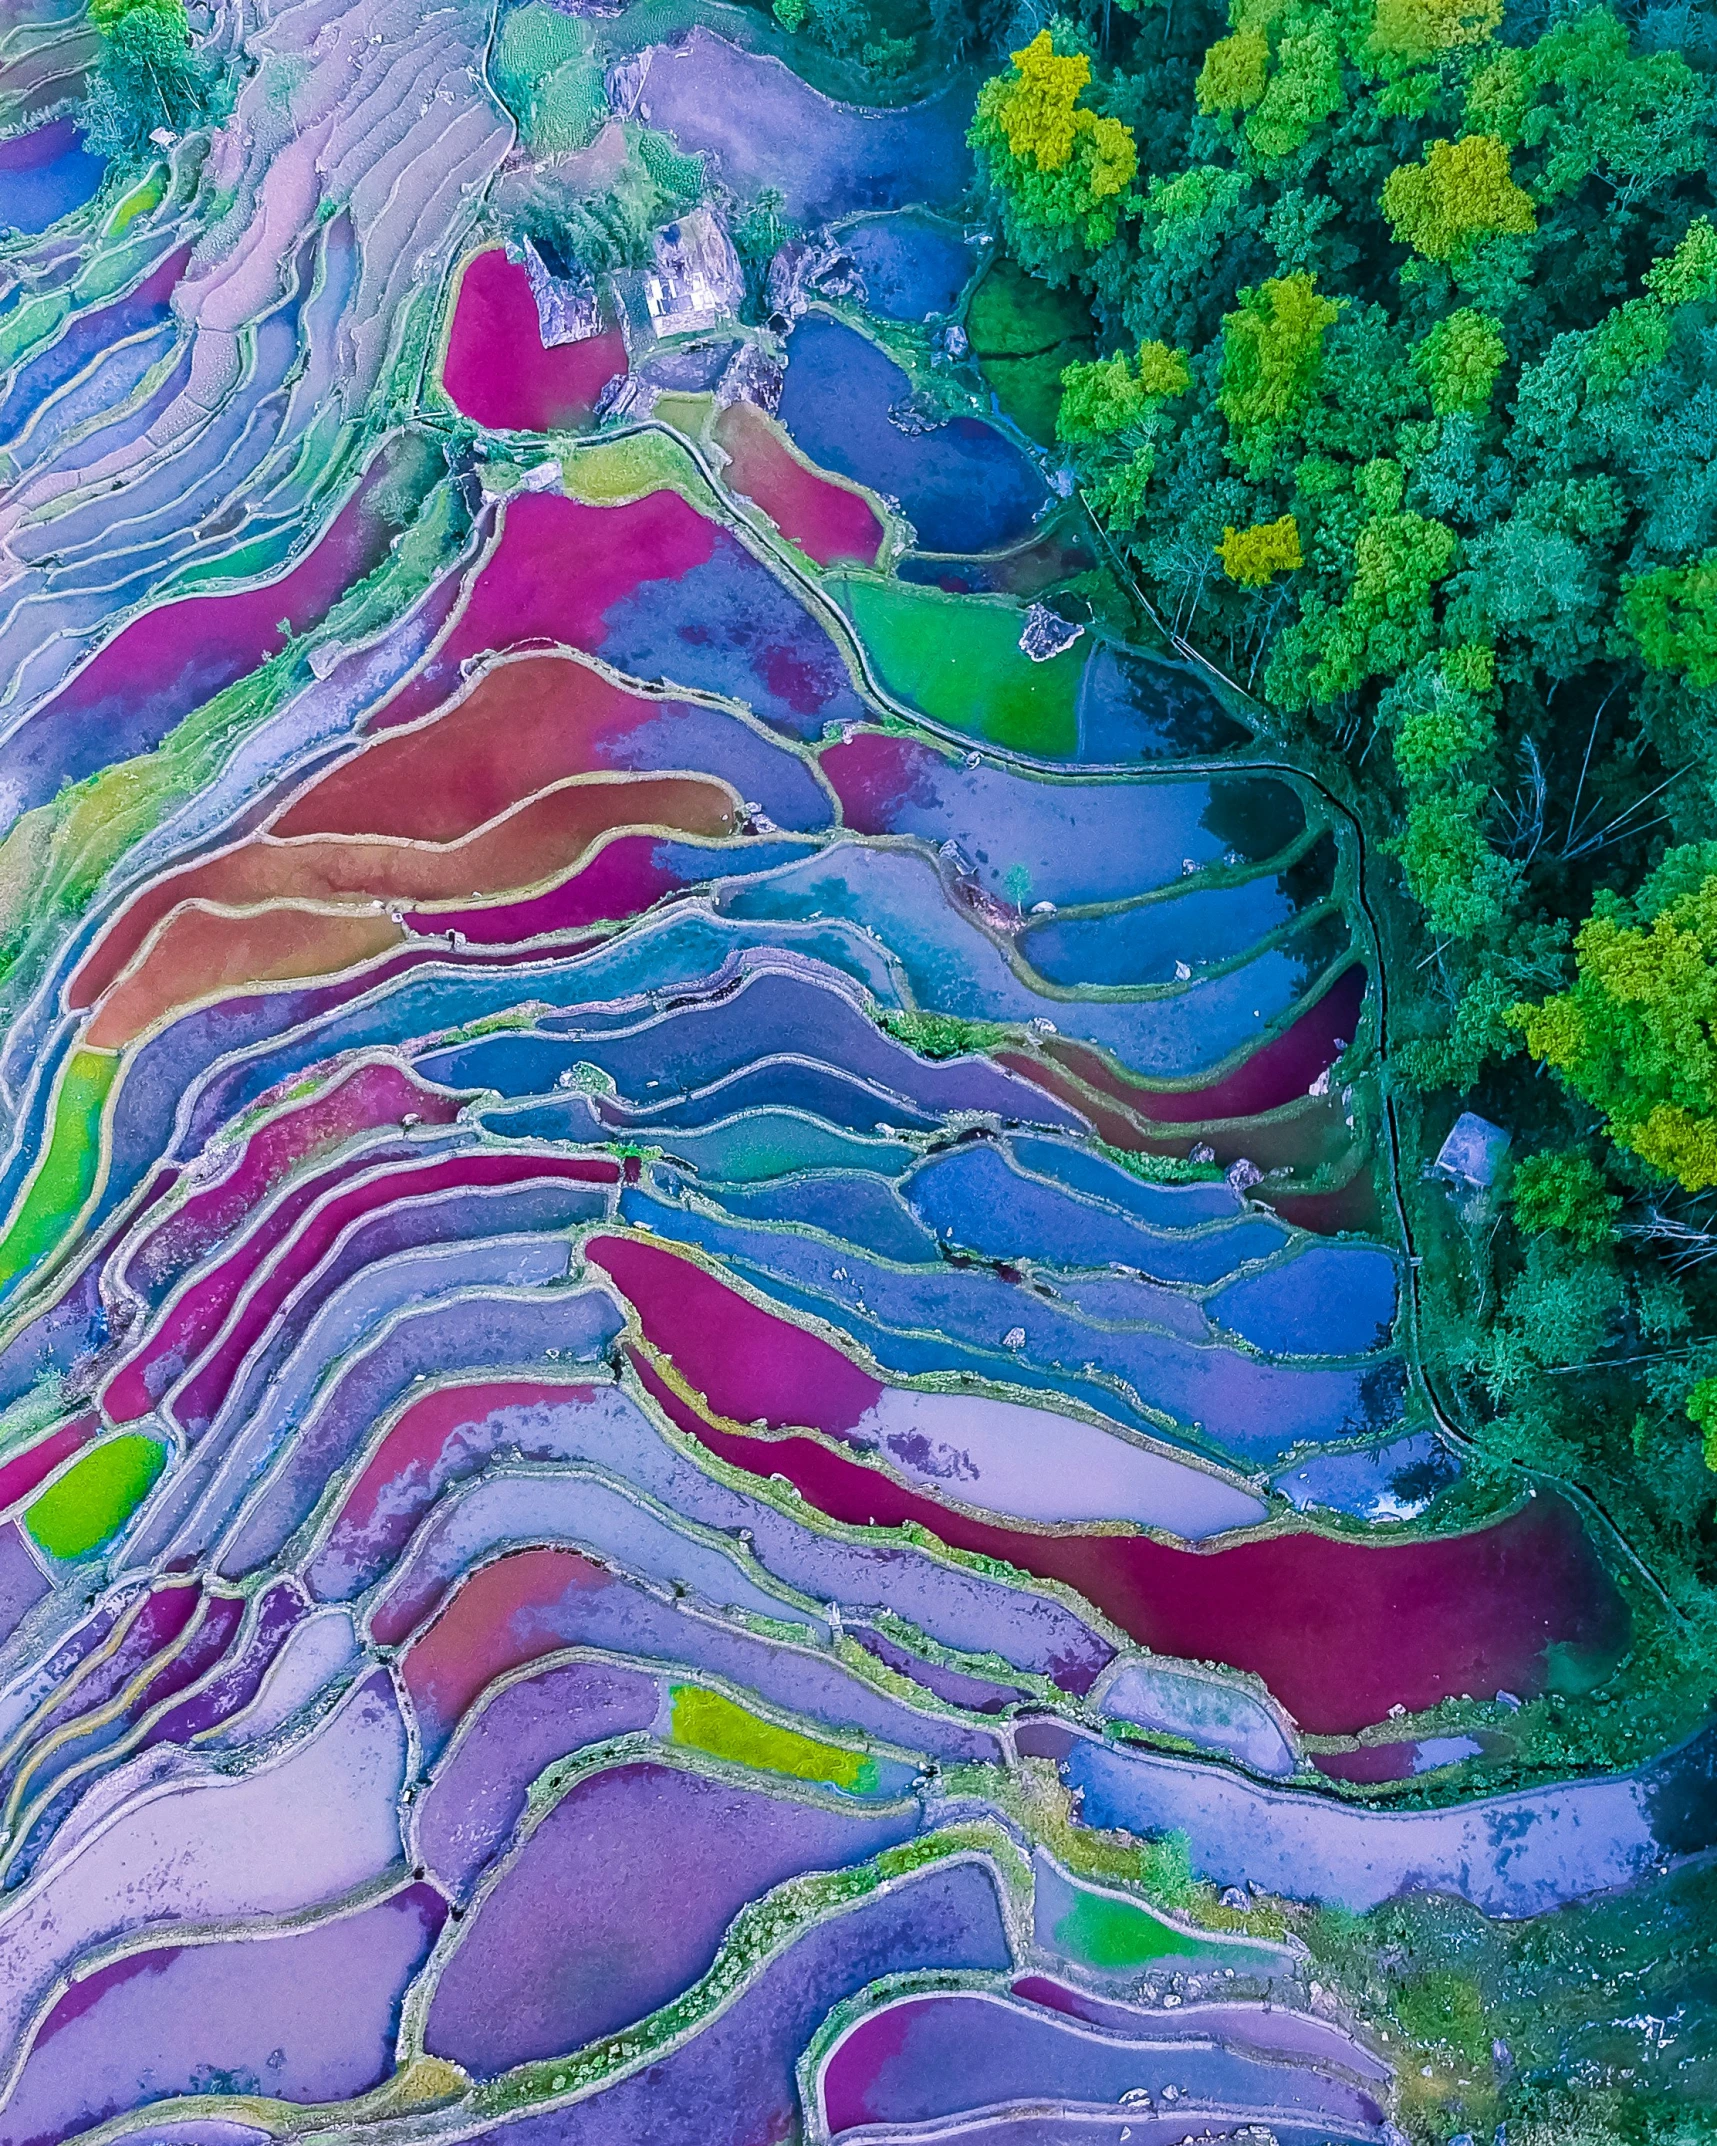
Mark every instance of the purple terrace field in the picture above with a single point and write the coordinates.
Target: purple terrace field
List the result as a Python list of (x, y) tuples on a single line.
[(838, 1305)]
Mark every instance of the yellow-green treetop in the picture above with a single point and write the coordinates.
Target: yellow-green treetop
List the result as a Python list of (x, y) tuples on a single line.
[(1461, 193), (1252, 556), (1235, 72), (1040, 114), (1272, 349), (1420, 29), (1634, 1034)]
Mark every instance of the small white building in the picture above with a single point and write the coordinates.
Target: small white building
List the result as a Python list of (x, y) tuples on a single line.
[(694, 281)]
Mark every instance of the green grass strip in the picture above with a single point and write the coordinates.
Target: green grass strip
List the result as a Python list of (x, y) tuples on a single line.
[(1103, 1931), (705, 1721), (93, 1500), (55, 1195)]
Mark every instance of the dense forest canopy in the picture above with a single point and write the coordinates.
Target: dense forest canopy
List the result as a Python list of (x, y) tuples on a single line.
[(1407, 424)]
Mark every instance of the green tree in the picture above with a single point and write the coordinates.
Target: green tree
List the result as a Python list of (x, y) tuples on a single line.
[(1690, 272), (1702, 1410), (1235, 73), (1565, 1192), (1417, 30), (1115, 411), (1441, 723), (1254, 556), (147, 77), (1304, 90), (1382, 626), (1461, 193), (1109, 394), (1672, 614), (1463, 885), (1061, 172), (1459, 359), (1593, 108), (1635, 1035), (1272, 354)]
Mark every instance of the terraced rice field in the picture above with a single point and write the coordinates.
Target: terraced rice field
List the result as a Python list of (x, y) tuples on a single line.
[(710, 1425)]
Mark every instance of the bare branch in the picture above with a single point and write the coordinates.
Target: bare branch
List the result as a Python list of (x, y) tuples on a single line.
[(1580, 786), (1590, 844), (1525, 816)]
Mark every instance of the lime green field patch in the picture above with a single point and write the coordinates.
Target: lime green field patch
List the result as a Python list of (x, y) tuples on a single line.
[(958, 658), (705, 1721), (142, 198), (59, 1188), (1102, 1931), (1111, 1934), (613, 473), (93, 1500)]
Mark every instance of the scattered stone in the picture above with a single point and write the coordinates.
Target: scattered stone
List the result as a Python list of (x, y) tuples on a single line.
[(756, 376), (569, 307), (1046, 633)]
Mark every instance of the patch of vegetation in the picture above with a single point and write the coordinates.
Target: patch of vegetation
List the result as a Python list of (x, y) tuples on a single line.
[(548, 74), (1024, 335), (942, 1035), (148, 77), (612, 227), (960, 662), (96, 1496), (704, 1720)]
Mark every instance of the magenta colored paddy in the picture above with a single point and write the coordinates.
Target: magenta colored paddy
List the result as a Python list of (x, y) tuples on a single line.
[(197, 1315), (36, 1463), (557, 567), (179, 655), (497, 369), (624, 878), (1280, 1073), (830, 524), (748, 1364), (218, 1618), (203, 1396), (444, 1436), (1339, 1631), (280, 1608), (500, 1617)]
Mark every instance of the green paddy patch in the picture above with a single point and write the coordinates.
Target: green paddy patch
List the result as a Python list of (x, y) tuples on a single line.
[(142, 200), (958, 659), (1114, 1935), (56, 1193), (93, 1500), (705, 1721), (1101, 1930), (1023, 335)]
